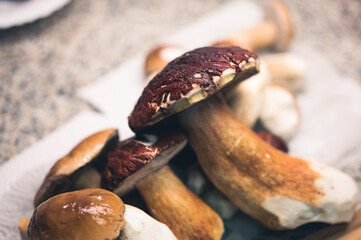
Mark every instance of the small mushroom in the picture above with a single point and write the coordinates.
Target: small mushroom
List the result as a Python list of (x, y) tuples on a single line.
[(141, 163), (160, 56), (280, 112), (281, 191), (275, 31), (70, 169), (288, 69), (91, 214)]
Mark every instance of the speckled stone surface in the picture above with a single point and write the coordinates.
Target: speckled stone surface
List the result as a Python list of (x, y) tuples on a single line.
[(43, 63)]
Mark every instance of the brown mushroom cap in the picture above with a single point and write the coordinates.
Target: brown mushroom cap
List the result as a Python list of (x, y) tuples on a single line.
[(85, 214), (191, 78), (61, 175), (135, 158)]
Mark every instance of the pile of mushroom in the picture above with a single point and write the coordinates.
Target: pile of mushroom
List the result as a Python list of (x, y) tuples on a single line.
[(280, 191), (209, 97), (136, 162)]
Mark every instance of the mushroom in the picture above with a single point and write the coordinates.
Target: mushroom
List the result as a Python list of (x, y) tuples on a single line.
[(247, 98), (160, 56), (280, 112), (141, 163), (92, 214), (275, 31), (74, 169), (85, 214), (288, 69), (281, 191)]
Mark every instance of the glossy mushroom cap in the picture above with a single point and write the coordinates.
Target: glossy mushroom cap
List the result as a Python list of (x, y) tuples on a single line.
[(189, 79), (135, 158), (62, 175), (84, 214)]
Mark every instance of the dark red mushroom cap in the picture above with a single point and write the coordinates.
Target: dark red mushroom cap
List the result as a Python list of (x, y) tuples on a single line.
[(135, 158), (191, 78)]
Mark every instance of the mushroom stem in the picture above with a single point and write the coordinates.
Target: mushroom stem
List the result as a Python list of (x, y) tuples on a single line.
[(170, 202), (279, 190)]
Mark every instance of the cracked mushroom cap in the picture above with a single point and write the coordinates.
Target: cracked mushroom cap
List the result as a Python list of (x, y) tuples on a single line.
[(85, 214), (135, 158), (62, 175), (191, 78)]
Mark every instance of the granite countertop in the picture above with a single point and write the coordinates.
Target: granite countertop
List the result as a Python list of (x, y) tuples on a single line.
[(43, 63)]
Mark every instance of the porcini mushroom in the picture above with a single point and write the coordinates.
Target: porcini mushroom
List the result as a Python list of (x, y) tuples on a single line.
[(247, 99), (85, 214), (79, 162), (93, 214), (141, 164), (276, 31), (281, 191)]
